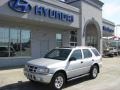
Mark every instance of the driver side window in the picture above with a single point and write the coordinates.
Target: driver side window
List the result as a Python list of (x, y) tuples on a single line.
[(77, 54)]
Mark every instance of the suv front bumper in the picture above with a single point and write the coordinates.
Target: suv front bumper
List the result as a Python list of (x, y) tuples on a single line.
[(38, 77)]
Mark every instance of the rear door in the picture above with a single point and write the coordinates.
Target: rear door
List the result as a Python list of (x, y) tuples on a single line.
[(87, 60)]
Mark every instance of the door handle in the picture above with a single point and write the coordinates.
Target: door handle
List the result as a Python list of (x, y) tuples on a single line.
[(81, 61)]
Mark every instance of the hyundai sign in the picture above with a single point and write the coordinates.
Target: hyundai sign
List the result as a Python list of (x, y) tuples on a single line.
[(23, 6), (47, 12), (20, 6)]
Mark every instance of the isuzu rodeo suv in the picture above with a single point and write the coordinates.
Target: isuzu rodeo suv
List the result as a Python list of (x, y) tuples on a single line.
[(64, 64)]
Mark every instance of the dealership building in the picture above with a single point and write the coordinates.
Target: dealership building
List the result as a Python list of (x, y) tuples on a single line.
[(108, 28), (30, 28)]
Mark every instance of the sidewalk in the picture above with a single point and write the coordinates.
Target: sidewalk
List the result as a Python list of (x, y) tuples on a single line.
[(11, 76)]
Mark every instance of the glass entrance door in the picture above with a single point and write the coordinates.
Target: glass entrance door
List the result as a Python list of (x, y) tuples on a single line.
[(92, 41), (91, 38)]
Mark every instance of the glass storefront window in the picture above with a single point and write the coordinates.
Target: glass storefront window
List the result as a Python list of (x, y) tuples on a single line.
[(4, 42), (91, 41), (15, 42), (73, 38), (26, 43), (58, 40)]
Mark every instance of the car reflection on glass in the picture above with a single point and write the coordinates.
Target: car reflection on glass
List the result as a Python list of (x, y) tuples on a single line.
[(5, 51)]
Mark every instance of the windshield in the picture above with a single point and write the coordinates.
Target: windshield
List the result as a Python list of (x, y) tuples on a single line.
[(59, 54)]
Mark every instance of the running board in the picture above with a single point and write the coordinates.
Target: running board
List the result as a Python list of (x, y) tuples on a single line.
[(77, 77)]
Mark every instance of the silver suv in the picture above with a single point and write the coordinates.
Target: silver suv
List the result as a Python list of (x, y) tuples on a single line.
[(64, 64)]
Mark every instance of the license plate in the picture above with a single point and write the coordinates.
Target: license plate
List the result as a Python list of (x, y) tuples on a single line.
[(31, 76)]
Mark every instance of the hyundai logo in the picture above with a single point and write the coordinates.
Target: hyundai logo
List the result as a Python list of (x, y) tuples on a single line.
[(20, 5)]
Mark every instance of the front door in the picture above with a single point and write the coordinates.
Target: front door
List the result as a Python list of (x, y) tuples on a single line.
[(74, 67)]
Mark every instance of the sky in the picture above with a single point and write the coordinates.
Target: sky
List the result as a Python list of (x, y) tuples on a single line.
[(111, 11)]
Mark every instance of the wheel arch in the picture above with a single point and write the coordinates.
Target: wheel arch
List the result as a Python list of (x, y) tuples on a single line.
[(96, 64), (63, 72)]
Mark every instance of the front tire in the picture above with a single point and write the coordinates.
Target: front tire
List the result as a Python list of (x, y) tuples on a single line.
[(58, 81), (94, 72), (32, 81)]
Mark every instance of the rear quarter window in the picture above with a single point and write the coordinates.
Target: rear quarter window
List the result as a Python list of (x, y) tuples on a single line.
[(96, 53)]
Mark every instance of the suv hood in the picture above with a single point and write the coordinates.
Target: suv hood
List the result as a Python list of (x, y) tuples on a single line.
[(43, 62)]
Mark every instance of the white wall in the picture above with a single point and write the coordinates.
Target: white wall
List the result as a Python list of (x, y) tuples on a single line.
[(40, 36)]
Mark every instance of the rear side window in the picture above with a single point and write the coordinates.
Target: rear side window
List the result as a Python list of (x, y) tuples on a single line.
[(87, 53), (95, 52)]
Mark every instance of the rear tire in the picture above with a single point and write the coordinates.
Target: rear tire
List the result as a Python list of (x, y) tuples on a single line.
[(58, 81), (111, 55), (94, 72)]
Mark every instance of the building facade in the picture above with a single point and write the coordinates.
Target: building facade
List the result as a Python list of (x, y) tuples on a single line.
[(108, 28), (30, 28)]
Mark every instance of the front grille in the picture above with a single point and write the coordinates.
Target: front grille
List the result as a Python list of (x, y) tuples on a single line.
[(32, 68)]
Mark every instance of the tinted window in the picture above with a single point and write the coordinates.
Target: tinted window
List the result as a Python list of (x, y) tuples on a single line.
[(95, 52), (3, 49), (87, 53), (77, 54)]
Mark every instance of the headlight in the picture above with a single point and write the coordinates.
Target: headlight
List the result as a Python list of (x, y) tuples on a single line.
[(42, 70), (26, 67)]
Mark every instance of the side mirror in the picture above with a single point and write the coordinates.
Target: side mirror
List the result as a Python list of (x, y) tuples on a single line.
[(72, 59)]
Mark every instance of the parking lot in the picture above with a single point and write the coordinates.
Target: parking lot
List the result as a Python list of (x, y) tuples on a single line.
[(108, 79)]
